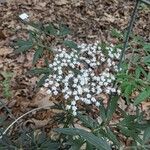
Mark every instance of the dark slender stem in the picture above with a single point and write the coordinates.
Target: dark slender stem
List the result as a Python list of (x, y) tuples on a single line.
[(130, 26)]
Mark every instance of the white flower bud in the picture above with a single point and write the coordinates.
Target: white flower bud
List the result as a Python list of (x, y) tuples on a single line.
[(68, 107)]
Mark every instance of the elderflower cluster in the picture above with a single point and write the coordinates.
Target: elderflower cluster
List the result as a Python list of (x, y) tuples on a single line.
[(83, 75)]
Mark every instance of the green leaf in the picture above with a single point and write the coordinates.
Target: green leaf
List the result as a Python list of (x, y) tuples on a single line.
[(130, 122), (38, 54), (143, 72), (50, 145), (112, 107), (147, 47), (64, 30), (146, 136), (130, 133), (71, 45), (115, 33), (98, 142), (110, 135), (42, 80), (24, 45), (146, 59), (138, 72), (88, 121), (76, 144), (39, 71), (89, 146), (146, 2), (102, 112), (103, 46), (142, 96), (51, 30)]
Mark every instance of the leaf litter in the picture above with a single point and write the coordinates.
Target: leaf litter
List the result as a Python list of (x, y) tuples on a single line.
[(88, 21)]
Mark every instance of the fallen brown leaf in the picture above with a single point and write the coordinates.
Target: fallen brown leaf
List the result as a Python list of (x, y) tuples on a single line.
[(5, 51), (61, 2), (2, 36)]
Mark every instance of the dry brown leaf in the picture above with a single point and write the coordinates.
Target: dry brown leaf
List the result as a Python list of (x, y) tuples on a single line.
[(81, 127), (2, 36), (42, 4), (35, 123), (5, 51), (41, 100), (108, 17), (61, 2)]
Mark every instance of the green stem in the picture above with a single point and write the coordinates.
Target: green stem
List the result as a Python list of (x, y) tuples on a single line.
[(130, 26)]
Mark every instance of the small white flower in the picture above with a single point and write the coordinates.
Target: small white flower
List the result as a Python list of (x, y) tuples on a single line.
[(54, 76), (66, 88), (55, 68), (119, 92), (86, 90), (103, 59), (54, 64), (42, 89), (93, 74), (66, 96), (101, 83), (73, 103), (82, 82), (106, 83), (76, 98), (113, 89), (74, 113), (107, 91), (54, 88), (109, 80), (97, 104), (88, 96), (70, 75), (49, 91), (60, 72), (46, 84), (99, 90), (50, 65), (93, 99), (93, 84), (68, 107), (74, 108), (102, 78), (85, 74), (93, 90), (55, 92), (112, 77), (87, 101), (75, 80), (59, 67), (111, 55), (57, 84), (74, 85), (75, 93), (69, 92), (98, 63), (24, 16), (61, 55), (88, 61), (80, 91)]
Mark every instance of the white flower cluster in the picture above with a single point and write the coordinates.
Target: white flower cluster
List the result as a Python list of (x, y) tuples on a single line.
[(84, 75)]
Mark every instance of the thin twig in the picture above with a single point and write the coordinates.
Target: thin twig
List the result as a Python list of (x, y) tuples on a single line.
[(22, 117)]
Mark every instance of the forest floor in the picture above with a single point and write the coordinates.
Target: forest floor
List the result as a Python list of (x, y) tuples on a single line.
[(89, 20)]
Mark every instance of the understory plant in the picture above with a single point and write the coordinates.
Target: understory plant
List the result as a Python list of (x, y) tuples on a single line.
[(92, 79)]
